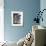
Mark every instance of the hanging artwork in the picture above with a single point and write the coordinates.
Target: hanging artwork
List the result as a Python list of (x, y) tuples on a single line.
[(17, 18)]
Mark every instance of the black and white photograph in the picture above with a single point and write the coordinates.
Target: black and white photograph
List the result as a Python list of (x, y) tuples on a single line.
[(17, 18)]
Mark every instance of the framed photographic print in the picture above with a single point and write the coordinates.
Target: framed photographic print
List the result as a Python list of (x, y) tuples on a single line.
[(17, 18)]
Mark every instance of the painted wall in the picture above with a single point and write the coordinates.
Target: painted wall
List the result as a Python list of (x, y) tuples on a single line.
[(43, 6), (29, 8)]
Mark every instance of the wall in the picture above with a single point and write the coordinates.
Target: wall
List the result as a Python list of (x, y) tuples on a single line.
[(29, 8), (43, 6)]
